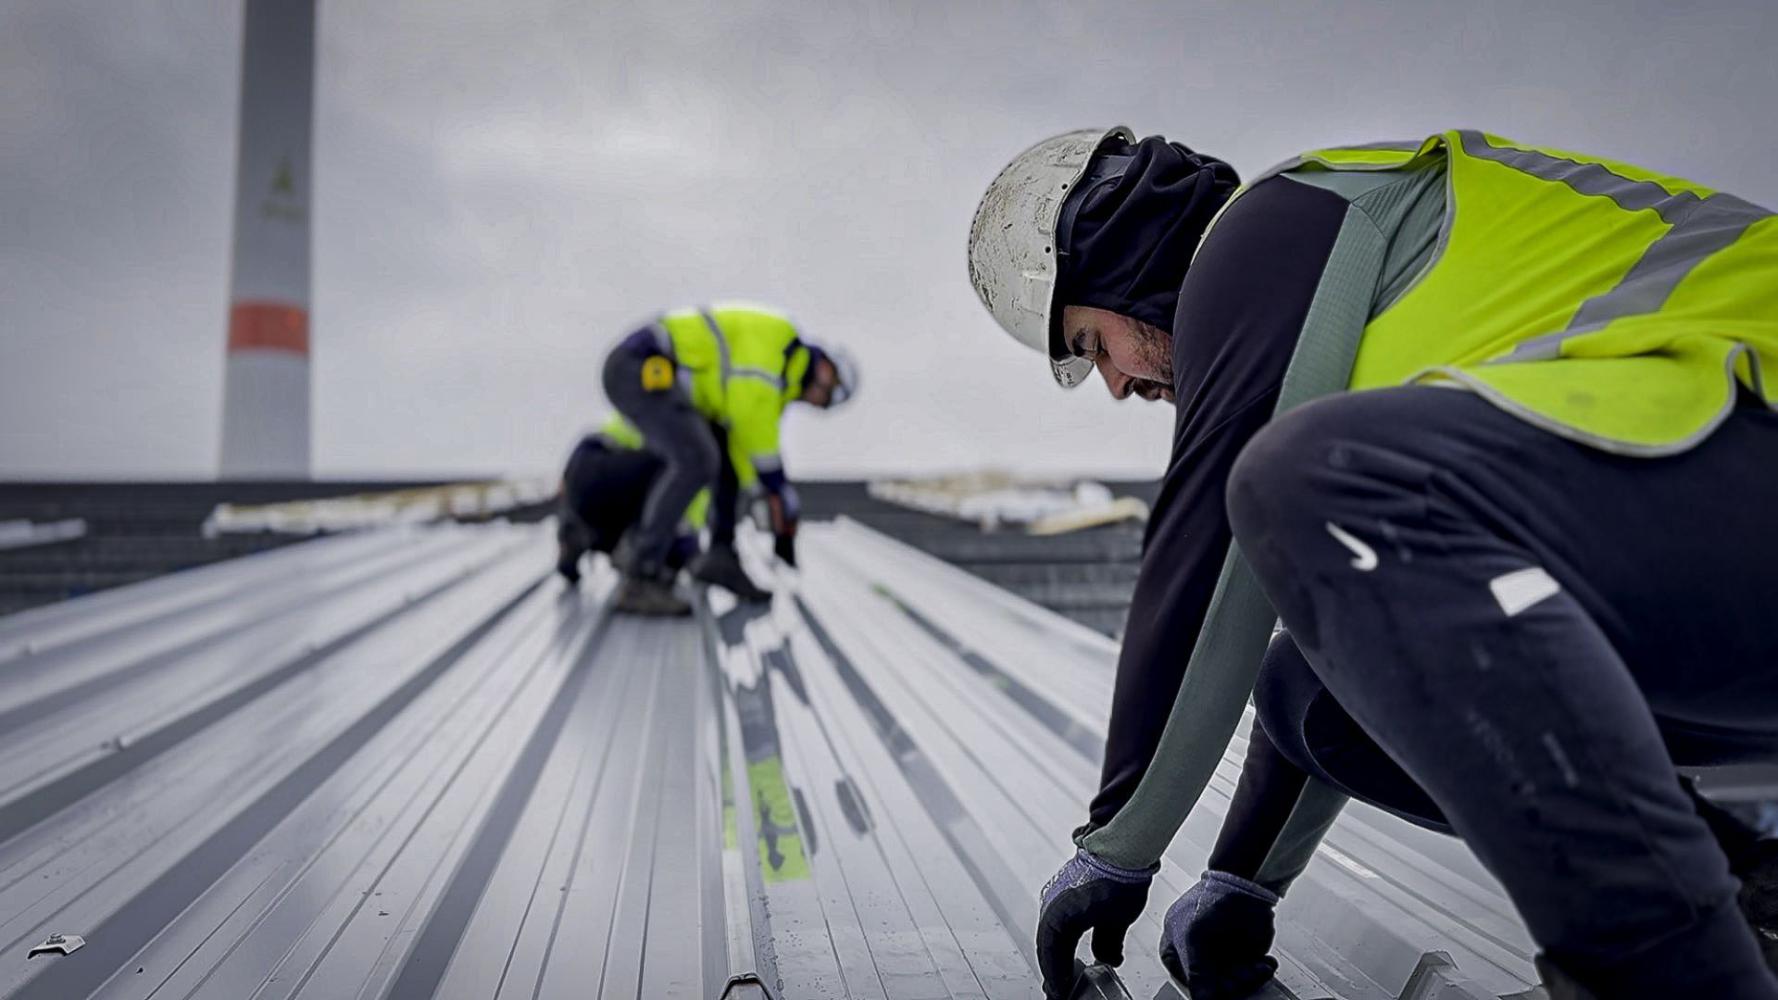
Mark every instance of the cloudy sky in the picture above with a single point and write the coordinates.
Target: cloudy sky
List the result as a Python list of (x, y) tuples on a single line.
[(503, 188)]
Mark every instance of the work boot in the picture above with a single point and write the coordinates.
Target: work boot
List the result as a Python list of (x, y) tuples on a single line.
[(721, 565), (568, 564), (650, 595)]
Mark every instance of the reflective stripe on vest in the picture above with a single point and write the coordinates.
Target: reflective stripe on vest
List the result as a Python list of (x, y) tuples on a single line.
[(1700, 228), (721, 341), (1602, 302), (729, 368)]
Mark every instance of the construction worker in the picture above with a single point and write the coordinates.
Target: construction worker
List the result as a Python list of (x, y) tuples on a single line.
[(1520, 543), (604, 488), (702, 389)]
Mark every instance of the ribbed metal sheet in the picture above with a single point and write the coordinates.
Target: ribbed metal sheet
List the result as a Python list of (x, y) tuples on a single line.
[(405, 764)]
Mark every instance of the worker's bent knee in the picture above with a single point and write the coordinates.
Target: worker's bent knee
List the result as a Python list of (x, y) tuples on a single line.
[(1280, 478), (1342, 460)]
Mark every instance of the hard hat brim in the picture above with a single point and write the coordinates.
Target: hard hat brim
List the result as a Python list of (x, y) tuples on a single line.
[(1013, 261), (1070, 370)]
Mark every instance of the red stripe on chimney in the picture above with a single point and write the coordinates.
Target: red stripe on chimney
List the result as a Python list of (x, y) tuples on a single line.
[(265, 326)]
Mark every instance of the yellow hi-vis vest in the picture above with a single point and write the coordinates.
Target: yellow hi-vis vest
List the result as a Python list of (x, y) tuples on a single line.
[(1603, 302), (742, 365)]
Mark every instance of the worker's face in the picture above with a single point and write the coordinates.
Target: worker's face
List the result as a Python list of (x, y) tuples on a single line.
[(1134, 358), (818, 384)]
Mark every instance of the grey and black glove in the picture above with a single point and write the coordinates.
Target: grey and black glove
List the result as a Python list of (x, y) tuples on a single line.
[(1086, 894), (1217, 937)]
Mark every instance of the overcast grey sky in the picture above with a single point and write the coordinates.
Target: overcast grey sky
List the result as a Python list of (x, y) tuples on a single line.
[(503, 188)]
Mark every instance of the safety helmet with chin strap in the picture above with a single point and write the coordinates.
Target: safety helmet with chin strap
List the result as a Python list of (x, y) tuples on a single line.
[(1013, 248)]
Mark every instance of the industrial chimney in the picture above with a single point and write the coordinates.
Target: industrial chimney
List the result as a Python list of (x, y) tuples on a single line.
[(265, 402)]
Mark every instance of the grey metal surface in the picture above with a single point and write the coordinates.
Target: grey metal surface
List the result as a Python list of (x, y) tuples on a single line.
[(135, 531), (406, 764), (1087, 576)]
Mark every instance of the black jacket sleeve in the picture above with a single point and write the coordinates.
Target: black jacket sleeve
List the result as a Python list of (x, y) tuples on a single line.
[(1241, 309)]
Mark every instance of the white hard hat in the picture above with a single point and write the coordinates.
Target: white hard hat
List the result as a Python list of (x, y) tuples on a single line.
[(1012, 242), (845, 370)]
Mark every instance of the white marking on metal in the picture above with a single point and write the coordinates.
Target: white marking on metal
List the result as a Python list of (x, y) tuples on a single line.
[(1347, 863), (1366, 557), (1522, 588)]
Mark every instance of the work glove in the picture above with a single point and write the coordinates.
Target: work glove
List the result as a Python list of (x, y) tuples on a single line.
[(1216, 937), (1087, 894), (785, 547)]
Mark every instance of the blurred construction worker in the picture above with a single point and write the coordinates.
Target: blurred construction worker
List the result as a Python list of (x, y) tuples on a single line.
[(604, 489), (1521, 543), (703, 390)]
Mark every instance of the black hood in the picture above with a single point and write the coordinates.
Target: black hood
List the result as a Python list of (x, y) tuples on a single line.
[(1127, 233)]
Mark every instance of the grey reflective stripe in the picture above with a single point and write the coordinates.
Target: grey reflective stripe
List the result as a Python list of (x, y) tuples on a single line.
[(767, 464), (1586, 178), (662, 339), (729, 370), (1699, 228), (1712, 224), (721, 340), (742, 371)]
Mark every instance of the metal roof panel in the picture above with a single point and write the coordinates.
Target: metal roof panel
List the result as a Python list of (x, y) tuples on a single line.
[(404, 764)]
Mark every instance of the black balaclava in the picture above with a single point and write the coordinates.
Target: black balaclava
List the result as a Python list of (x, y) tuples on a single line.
[(1127, 233)]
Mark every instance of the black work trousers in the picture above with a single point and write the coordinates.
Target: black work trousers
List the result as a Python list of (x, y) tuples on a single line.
[(1534, 632), (604, 489), (675, 432)]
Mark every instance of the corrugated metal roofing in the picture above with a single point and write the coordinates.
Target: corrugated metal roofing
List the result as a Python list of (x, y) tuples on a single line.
[(404, 764), (1087, 576)]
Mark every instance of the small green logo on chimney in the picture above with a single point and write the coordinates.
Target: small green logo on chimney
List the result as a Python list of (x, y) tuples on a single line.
[(283, 182)]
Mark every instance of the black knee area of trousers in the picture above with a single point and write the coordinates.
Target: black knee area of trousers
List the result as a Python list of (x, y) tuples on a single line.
[(703, 460), (1310, 730), (1268, 479), (604, 489), (1289, 468)]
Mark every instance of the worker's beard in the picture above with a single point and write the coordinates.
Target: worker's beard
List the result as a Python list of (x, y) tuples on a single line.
[(1153, 348)]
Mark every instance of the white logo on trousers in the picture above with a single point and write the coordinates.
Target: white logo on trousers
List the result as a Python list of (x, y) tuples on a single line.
[(1365, 557)]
